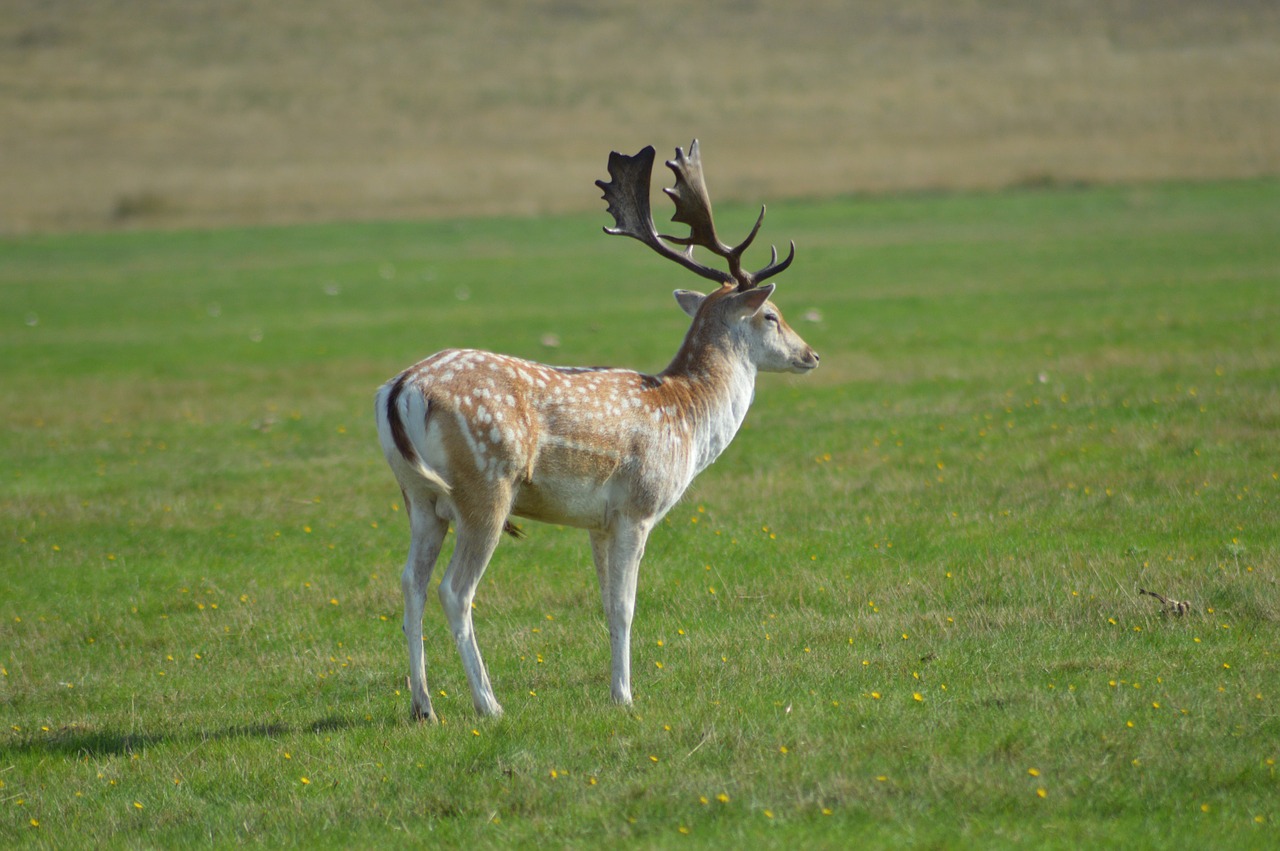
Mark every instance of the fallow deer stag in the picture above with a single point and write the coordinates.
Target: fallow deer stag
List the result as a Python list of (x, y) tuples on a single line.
[(474, 437)]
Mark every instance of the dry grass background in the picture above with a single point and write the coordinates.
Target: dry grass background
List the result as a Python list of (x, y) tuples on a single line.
[(176, 113)]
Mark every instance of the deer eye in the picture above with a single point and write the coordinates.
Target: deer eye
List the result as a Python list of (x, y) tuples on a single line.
[(771, 317)]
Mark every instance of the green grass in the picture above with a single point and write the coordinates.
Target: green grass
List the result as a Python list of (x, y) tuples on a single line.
[(903, 603)]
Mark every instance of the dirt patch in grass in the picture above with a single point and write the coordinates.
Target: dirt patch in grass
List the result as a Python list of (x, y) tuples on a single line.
[(156, 113)]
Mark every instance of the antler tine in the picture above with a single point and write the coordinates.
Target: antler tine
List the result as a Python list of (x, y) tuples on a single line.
[(627, 195), (750, 280), (774, 266), (755, 229)]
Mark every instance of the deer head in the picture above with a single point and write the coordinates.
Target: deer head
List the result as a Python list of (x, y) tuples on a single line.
[(740, 310)]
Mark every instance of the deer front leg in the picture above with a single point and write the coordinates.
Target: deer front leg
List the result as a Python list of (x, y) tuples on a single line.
[(427, 533), (624, 551), (600, 555)]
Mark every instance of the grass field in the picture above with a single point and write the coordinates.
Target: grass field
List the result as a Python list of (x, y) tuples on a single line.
[(901, 611)]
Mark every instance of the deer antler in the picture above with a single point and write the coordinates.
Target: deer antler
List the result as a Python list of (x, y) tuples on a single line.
[(693, 208), (628, 197)]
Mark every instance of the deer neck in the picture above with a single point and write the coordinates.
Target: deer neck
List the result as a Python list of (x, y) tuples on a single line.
[(714, 385)]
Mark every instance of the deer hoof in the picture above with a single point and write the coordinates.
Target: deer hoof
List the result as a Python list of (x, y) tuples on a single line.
[(427, 717)]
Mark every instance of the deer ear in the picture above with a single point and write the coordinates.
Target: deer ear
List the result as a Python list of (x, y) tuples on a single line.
[(753, 300), (689, 301)]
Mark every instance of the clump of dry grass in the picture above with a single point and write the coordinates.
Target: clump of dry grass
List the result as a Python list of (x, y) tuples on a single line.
[(321, 110)]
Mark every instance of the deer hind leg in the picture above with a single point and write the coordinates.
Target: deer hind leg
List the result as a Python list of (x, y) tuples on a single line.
[(475, 545), (427, 536)]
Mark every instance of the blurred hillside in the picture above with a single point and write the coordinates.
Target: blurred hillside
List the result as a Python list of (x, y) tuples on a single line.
[(181, 113)]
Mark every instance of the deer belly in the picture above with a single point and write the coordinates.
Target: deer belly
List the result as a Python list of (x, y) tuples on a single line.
[(572, 482), (567, 502)]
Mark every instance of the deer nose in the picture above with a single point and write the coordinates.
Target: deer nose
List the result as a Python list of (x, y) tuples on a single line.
[(808, 361)]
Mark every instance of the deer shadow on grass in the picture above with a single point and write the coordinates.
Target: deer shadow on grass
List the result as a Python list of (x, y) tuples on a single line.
[(85, 742)]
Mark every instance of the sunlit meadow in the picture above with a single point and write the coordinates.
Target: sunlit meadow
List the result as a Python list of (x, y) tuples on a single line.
[(902, 610)]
